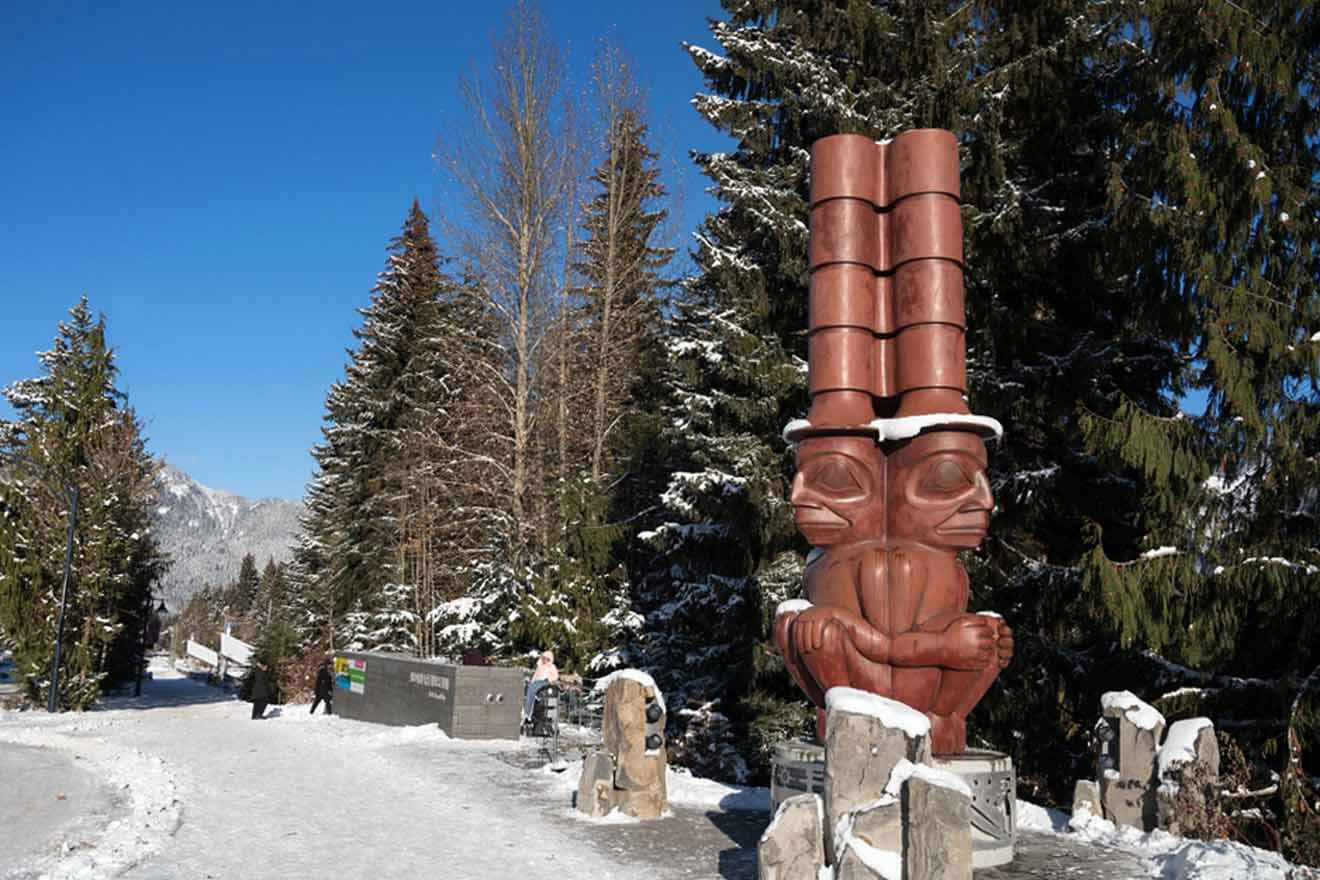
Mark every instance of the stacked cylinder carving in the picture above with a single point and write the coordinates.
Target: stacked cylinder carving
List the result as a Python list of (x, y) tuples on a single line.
[(886, 316)]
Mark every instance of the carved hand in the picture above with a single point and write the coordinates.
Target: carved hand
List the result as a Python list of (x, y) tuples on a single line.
[(1004, 645), (968, 643), (808, 632)]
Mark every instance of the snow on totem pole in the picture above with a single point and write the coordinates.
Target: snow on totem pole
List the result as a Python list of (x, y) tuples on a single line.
[(891, 463)]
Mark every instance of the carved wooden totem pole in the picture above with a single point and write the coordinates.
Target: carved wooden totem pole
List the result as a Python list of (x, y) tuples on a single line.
[(891, 464)]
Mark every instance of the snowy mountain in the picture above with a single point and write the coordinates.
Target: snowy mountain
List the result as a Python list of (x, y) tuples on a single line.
[(207, 532)]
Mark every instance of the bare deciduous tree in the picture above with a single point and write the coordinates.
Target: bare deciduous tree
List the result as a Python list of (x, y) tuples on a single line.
[(512, 168)]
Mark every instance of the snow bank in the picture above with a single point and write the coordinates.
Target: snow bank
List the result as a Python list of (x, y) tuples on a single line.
[(1032, 817), (1175, 858), (891, 713), (683, 789), (634, 675), (1141, 714), (153, 811)]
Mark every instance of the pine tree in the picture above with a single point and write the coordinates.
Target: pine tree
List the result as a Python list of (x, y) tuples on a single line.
[(75, 431), (610, 327), (353, 529), (247, 586), (1137, 195), (272, 600)]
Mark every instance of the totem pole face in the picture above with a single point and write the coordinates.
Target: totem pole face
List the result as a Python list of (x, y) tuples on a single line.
[(838, 492), (940, 495)]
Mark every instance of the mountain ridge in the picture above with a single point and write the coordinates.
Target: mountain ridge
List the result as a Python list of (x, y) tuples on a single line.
[(207, 532)]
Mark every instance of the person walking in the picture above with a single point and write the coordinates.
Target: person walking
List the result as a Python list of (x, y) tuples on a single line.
[(325, 689), (260, 690)]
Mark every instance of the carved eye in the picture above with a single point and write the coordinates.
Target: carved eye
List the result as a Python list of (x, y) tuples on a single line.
[(947, 477), (837, 478)]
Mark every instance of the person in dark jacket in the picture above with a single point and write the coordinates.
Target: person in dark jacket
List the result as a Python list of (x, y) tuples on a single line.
[(325, 689), (260, 690)]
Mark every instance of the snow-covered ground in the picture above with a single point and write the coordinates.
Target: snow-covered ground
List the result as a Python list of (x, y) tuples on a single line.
[(201, 791), (1166, 856)]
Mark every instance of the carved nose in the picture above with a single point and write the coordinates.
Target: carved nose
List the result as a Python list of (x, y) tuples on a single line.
[(799, 492), (983, 498)]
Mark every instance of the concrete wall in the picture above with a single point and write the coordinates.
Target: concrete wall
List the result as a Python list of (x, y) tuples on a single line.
[(468, 702)]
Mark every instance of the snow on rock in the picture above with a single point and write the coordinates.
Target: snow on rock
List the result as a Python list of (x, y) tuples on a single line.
[(886, 864), (1142, 714), (905, 770), (792, 606), (1180, 744), (779, 812), (891, 713), (883, 863), (635, 675)]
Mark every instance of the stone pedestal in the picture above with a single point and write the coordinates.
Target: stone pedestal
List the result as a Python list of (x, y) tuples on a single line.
[(798, 768), (1139, 779), (792, 847), (1188, 766), (939, 830), (888, 808), (993, 812), (628, 774), (1129, 731)]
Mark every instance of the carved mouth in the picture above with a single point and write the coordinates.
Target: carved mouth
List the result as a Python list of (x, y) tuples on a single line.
[(968, 523), (817, 517)]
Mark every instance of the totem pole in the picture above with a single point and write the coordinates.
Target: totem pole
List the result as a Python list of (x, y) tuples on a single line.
[(890, 481)]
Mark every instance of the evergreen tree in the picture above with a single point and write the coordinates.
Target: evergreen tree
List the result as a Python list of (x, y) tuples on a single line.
[(1137, 192), (613, 323), (353, 514), (247, 586), (272, 595), (74, 431)]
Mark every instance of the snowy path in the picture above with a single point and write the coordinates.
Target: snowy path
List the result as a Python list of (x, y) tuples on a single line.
[(314, 797), (46, 794), (182, 784)]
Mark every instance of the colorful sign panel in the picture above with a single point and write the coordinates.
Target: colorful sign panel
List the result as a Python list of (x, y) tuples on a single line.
[(351, 675)]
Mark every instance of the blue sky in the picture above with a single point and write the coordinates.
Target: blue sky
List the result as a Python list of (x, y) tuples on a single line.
[(221, 181)]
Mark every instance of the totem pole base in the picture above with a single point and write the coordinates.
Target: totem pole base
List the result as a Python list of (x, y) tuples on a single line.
[(993, 781), (798, 767)]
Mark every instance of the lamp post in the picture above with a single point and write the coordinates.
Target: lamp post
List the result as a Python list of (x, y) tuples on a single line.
[(53, 704), (147, 628)]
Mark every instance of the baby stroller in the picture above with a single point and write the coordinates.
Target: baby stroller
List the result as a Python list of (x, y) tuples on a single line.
[(545, 723)]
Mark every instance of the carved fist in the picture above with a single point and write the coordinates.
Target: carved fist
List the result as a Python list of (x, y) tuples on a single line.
[(969, 643), (1003, 643), (808, 632)]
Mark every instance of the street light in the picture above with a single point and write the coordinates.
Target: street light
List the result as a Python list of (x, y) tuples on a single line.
[(53, 704), (148, 638)]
